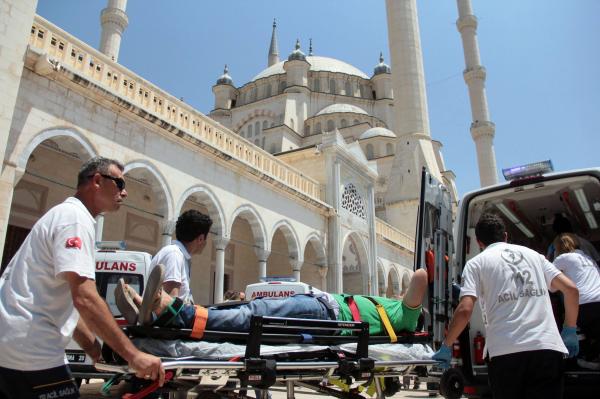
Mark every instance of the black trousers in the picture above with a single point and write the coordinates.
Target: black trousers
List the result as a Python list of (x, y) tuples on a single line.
[(54, 383), (530, 375)]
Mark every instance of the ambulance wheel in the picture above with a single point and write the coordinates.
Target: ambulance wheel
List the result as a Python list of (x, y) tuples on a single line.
[(452, 384)]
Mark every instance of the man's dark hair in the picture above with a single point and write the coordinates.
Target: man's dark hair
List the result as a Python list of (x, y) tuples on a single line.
[(490, 228), (96, 165), (561, 224), (191, 224)]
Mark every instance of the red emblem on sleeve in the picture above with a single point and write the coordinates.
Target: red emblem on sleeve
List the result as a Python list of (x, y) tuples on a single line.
[(73, 242)]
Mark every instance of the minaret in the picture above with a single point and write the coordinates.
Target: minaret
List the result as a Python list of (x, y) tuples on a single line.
[(114, 21), (273, 50), (414, 148), (482, 129)]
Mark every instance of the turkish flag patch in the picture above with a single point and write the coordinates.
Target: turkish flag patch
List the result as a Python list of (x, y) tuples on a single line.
[(73, 242)]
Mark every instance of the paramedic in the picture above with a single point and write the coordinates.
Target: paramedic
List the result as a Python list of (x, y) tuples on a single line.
[(403, 315), (191, 231), (49, 284), (511, 283), (584, 272), (562, 225)]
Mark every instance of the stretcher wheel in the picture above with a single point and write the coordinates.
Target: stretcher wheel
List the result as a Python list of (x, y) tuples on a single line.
[(452, 384), (392, 385)]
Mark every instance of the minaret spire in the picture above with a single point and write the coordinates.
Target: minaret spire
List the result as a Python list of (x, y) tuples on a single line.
[(310, 52), (273, 48), (114, 21), (482, 129)]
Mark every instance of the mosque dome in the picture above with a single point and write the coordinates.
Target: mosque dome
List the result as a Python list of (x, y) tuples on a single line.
[(317, 63), (297, 54), (382, 67), (377, 132), (344, 108), (225, 79)]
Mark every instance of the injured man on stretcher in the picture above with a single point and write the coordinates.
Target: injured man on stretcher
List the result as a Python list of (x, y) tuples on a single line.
[(157, 308)]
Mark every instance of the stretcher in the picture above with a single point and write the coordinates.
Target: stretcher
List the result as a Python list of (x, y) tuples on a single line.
[(293, 352)]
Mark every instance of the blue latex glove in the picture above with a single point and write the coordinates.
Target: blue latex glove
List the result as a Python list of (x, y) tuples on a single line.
[(443, 355), (569, 337)]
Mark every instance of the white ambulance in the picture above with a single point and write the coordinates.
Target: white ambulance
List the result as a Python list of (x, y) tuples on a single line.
[(279, 288), (528, 202), (112, 263)]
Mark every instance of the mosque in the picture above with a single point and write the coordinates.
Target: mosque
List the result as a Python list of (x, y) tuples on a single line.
[(311, 169)]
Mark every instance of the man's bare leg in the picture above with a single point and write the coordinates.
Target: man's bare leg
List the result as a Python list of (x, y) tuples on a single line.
[(416, 289)]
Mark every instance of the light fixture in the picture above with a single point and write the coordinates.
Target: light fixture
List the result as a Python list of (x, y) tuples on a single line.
[(585, 208), (514, 219)]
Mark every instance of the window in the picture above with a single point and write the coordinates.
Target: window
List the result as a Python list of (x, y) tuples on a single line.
[(265, 125), (344, 123), (257, 128), (330, 125), (317, 84), (318, 128), (369, 151), (253, 95), (307, 130), (355, 122), (389, 149), (353, 202), (363, 91), (332, 86), (250, 130), (268, 91), (348, 89), (282, 85)]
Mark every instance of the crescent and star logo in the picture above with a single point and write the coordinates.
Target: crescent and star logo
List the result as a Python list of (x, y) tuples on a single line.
[(73, 242)]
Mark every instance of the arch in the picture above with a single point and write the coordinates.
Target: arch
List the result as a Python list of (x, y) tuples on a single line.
[(318, 128), (355, 266), (370, 153), (314, 268), (248, 213), (330, 125), (389, 149), (291, 237), (381, 279), (405, 281), (210, 200), (317, 243), (162, 191), (50, 133), (393, 286)]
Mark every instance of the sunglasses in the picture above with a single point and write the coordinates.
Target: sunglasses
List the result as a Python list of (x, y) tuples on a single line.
[(119, 181)]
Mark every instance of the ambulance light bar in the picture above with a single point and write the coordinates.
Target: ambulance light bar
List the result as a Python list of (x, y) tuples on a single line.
[(269, 279), (111, 245), (529, 170)]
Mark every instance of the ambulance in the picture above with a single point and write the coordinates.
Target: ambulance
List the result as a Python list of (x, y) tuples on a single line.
[(532, 196), (278, 288), (112, 263)]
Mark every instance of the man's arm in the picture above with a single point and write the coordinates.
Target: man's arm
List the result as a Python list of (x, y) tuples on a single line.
[(571, 297), (96, 315), (460, 318), (87, 340), (172, 288)]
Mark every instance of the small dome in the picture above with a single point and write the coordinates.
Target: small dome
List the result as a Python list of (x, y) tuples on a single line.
[(345, 108), (377, 132), (297, 54), (225, 79), (382, 67)]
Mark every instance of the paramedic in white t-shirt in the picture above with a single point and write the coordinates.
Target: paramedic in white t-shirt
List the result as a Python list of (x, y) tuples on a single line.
[(48, 294), (191, 232), (511, 283)]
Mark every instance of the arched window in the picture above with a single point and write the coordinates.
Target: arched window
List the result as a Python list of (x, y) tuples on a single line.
[(332, 88), (250, 130), (318, 128), (363, 92), (389, 149), (317, 84), (265, 125), (348, 88), (307, 130), (257, 128), (355, 122), (268, 91), (282, 85), (253, 95), (353, 202), (272, 124), (330, 125), (369, 151), (344, 123)]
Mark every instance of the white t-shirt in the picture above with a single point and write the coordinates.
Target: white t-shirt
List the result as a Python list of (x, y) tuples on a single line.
[(511, 284), (37, 316), (584, 272), (176, 260)]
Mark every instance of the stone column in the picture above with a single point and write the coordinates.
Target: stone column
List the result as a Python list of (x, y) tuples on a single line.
[(335, 280), (296, 266), (168, 227), (262, 255), (372, 241), (323, 274), (220, 245)]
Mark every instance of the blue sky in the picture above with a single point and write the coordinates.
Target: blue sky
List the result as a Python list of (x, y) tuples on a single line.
[(542, 59)]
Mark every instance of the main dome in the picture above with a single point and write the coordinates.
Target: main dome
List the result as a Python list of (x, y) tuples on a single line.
[(316, 64)]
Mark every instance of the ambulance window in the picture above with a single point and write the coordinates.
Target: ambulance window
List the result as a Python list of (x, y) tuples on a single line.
[(107, 282)]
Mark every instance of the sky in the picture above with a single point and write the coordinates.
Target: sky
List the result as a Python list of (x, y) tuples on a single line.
[(542, 59)]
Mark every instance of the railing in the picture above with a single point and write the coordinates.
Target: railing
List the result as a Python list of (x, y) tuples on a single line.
[(100, 70), (394, 235)]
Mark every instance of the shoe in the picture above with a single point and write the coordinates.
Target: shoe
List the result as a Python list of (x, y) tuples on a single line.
[(125, 303), (586, 364), (151, 293)]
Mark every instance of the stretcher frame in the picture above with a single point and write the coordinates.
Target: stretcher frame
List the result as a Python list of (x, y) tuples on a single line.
[(256, 372)]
